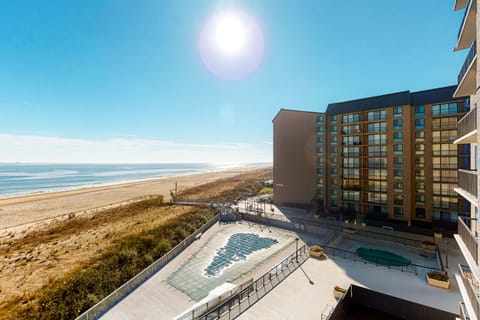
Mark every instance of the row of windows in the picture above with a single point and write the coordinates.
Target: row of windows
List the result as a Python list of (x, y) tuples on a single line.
[(349, 140), (377, 115), (350, 118), (444, 123), (445, 108), (351, 129), (377, 139), (444, 136), (377, 127)]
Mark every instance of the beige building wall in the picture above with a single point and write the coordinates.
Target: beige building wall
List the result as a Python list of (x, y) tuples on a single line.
[(294, 157)]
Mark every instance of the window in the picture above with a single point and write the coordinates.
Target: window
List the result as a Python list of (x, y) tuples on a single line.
[(333, 119), (398, 212), (445, 108), (350, 118), (377, 127), (398, 173), (397, 148), (377, 151), (444, 123), (351, 152), (377, 138), (420, 123), (398, 161), (377, 115), (420, 199), (333, 139), (398, 136), (420, 186), (320, 139), (419, 111), (377, 162), (351, 129), (379, 174), (319, 119), (320, 129), (398, 199), (319, 148), (398, 186), (351, 195), (419, 173), (397, 124), (351, 140), (351, 173), (351, 162), (377, 197), (419, 136), (379, 186), (333, 171), (419, 149), (397, 111), (320, 172), (420, 213), (419, 162), (334, 150)]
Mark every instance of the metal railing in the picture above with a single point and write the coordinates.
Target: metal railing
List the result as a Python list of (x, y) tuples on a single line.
[(468, 123), (412, 268), (248, 296), (471, 285), (467, 8), (468, 238), (472, 53), (140, 278), (467, 180)]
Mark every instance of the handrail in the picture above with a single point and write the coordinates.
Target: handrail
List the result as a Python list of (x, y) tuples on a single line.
[(467, 8), (468, 238), (472, 53)]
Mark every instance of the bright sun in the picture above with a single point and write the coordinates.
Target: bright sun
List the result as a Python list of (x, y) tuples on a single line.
[(230, 33)]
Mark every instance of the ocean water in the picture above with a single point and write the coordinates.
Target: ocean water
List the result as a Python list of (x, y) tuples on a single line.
[(22, 179)]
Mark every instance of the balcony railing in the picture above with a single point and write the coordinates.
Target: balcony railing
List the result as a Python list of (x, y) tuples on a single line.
[(471, 286), (468, 60), (468, 123), (468, 239), (467, 180), (467, 7)]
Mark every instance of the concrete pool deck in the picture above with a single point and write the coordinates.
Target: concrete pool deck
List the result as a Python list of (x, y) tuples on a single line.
[(157, 299)]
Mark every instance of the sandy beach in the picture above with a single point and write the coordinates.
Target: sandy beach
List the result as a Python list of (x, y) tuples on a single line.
[(21, 212)]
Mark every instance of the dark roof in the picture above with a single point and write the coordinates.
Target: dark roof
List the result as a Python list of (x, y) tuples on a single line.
[(432, 96), (393, 99), (291, 110)]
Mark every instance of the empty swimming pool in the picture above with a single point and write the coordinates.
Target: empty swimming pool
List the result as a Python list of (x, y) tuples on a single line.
[(230, 253)]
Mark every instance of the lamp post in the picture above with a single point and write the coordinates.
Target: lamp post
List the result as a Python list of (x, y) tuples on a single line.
[(446, 255), (296, 249)]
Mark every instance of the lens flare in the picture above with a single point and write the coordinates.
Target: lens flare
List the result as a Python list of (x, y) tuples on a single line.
[(231, 44)]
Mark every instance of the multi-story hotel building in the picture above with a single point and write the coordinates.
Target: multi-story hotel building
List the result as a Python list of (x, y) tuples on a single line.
[(468, 136), (389, 157)]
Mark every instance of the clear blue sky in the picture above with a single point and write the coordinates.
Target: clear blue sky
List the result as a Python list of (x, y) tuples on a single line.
[(129, 72)]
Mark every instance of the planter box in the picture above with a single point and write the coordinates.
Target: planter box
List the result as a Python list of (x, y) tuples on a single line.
[(350, 230), (429, 246), (315, 254), (438, 283), (337, 294)]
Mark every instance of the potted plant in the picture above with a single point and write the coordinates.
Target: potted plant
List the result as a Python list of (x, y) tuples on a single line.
[(315, 251), (429, 245), (338, 292), (438, 279)]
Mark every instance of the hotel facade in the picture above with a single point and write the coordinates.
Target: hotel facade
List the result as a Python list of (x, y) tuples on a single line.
[(389, 157), (468, 85)]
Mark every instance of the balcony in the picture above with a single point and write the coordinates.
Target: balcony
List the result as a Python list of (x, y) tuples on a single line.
[(469, 288), (459, 4), (467, 128), (467, 32), (467, 185), (467, 77), (468, 244)]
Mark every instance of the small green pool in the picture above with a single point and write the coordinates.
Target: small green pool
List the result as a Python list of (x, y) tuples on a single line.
[(382, 257)]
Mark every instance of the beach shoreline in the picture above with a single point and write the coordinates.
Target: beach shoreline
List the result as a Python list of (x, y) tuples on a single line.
[(26, 210)]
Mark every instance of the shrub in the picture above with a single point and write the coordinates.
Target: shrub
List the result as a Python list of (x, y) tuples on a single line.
[(437, 275)]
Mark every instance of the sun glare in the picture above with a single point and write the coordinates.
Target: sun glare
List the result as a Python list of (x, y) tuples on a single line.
[(231, 44), (230, 33)]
